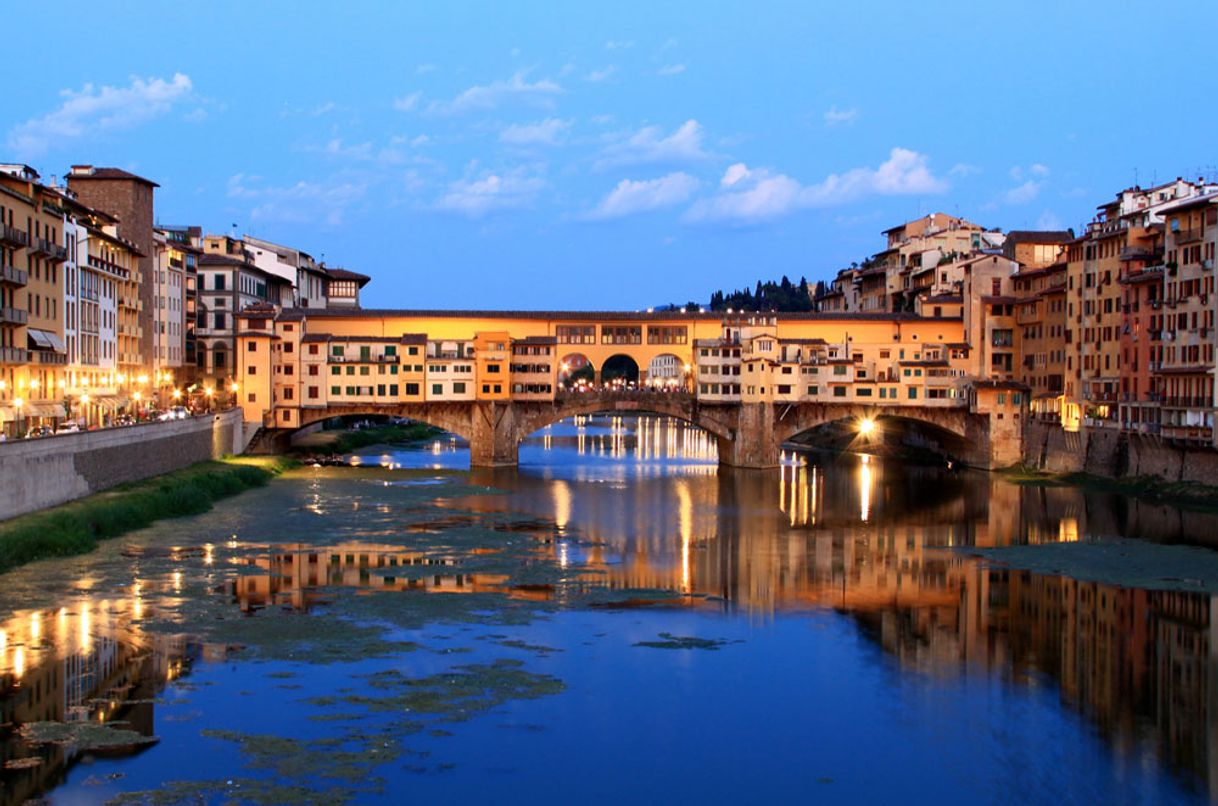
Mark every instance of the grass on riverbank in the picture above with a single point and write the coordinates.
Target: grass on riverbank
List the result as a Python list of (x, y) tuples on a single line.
[(349, 441), (76, 527), (1184, 494)]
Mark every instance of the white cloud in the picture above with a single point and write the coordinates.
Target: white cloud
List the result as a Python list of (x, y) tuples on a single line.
[(424, 69), (544, 132), (619, 44), (489, 96), (476, 197), (1039, 170), (407, 103), (749, 195), (631, 196), (420, 140), (1022, 194), (597, 76), (671, 70), (299, 203), (649, 146), (357, 151), (92, 111), (1049, 221), (964, 170), (839, 117)]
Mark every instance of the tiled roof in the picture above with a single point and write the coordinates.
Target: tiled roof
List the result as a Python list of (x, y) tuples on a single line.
[(90, 172)]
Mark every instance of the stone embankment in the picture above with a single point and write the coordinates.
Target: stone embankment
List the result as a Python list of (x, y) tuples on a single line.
[(1115, 454), (40, 473)]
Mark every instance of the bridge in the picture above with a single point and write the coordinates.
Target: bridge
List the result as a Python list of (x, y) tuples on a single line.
[(753, 381), (747, 435)]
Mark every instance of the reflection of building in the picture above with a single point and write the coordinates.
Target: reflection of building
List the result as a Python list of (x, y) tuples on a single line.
[(77, 665)]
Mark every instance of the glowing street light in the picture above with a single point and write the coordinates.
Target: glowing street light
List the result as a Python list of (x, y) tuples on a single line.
[(866, 426), (177, 393)]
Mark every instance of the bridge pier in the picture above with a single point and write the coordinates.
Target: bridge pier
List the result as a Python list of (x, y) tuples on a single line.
[(754, 442), (493, 435)]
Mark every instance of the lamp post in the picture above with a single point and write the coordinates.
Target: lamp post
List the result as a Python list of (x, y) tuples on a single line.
[(209, 392), (19, 403), (232, 394), (84, 411)]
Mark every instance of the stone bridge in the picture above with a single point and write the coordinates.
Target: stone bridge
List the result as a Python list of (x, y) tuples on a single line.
[(749, 435)]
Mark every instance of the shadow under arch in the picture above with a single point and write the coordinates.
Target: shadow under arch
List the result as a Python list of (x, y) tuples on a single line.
[(575, 369), (884, 433)]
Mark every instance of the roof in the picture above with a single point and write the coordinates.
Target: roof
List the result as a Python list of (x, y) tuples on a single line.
[(536, 340), (801, 341), (86, 172), (213, 259), (599, 316), (344, 274), (1017, 236), (949, 298), (1016, 385), (1185, 204)]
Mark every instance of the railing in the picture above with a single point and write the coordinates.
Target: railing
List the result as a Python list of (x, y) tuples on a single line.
[(13, 275), (13, 236), (14, 355), (1187, 235), (13, 316), (48, 357), (366, 359), (1189, 401)]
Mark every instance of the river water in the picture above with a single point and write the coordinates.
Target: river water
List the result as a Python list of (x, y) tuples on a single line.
[(618, 619)]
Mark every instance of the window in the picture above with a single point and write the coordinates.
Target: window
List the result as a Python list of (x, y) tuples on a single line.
[(437, 388), (313, 392), (622, 334), (287, 393), (337, 349), (313, 349), (335, 390), (458, 387), (839, 391), (412, 389), (313, 369), (913, 393), (412, 351), (492, 368), (812, 390), (486, 388), (575, 334), (336, 370), (251, 370)]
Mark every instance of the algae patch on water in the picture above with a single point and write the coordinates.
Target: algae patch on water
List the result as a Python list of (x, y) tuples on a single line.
[(1115, 561), (670, 641), (83, 735)]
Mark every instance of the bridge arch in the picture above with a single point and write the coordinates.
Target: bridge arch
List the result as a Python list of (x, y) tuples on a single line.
[(666, 371), (944, 430), (453, 419)]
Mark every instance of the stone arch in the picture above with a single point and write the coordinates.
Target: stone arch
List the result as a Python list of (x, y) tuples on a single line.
[(677, 406), (950, 428), (454, 419)]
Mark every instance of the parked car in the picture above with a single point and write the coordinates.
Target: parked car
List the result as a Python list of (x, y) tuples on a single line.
[(68, 428), (39, 431), (124, 419), (176, 413)]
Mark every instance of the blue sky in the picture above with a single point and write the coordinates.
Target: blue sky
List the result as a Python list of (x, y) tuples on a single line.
[(563, 155)]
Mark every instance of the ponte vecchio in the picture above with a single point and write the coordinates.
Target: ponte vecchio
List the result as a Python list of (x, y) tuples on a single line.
[(753, 380)]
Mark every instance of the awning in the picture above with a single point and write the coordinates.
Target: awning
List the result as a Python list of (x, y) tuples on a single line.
[(39, 339), (45, 410), (56, 343), (113, 402), (8, 414)]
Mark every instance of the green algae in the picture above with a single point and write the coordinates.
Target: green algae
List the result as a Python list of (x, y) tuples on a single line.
[(525, 646), (239, 790), (671, 641), (83, 735), (1123, 562)]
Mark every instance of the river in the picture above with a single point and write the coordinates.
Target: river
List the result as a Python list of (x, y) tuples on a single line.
[(617, 619)]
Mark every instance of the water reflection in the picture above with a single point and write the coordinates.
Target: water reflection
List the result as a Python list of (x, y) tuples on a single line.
[(625, 503)]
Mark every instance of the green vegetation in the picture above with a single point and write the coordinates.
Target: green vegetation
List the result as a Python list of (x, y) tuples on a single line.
[(1183, 494), (349, 441), (770, 296), (76, 527)]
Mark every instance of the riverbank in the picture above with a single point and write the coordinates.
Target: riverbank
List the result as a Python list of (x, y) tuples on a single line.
[(1183, 494), (336, 442), (76, 527)]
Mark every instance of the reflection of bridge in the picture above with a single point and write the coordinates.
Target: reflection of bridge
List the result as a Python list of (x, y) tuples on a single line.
[(748, 434)]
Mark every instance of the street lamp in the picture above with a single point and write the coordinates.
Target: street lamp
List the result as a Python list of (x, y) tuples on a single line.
[(866, 426), (84, 410), (18, 402)]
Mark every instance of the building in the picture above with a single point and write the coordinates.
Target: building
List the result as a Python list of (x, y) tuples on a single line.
[(1040, 324), (1186, 369)]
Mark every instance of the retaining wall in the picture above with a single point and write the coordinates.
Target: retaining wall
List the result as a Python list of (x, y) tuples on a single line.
[(1113, 453), (38, 473)]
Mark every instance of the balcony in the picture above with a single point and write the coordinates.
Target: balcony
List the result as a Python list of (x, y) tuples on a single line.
[(14, 355), (364, 359), (39, 246), (59, 254), (1188, 402), (12, 275), (11, 236), (1184, 236), (48, 357), (13, 316)]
